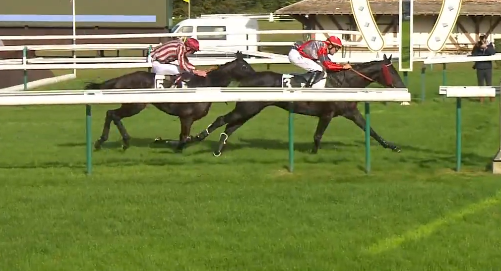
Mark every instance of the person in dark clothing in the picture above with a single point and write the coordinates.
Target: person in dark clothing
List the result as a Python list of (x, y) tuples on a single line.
[(484, 68)]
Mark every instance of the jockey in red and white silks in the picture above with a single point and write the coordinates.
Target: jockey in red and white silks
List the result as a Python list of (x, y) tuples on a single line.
[(173, 50)]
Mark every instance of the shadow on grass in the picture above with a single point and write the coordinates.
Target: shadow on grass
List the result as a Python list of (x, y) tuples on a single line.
[(209, 145), (175, 159), (206, 147)]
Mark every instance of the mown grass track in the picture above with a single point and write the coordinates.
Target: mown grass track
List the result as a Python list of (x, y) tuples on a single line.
[(149, 208)]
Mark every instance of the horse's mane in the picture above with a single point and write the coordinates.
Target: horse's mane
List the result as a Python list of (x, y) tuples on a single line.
[(218, 68), (356, 66), (366, 64), (238, 56)]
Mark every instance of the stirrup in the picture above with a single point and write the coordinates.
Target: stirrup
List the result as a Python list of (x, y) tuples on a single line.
[(177, 79), (180, 82)]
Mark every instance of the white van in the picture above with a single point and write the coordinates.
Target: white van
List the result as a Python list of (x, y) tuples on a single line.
[(230, 25)]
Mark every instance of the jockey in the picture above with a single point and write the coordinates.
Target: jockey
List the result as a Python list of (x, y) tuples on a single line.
[(307, 55), (173, 50)]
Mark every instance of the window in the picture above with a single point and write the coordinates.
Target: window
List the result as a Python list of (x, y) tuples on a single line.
[(183, 29), (186, 29), (173, 29), (211, 29)]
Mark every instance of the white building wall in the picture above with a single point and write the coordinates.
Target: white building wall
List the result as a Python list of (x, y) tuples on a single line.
[(422, 27)]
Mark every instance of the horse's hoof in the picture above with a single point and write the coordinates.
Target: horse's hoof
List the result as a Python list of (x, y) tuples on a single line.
[(216, 154), (125, 147), (158, 140), (97, 145), (313, 151)]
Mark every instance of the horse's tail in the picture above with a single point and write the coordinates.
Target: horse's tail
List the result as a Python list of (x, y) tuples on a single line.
[(109, 84)]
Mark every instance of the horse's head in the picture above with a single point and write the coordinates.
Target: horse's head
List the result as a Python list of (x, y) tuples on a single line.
[(236, 69), (380, 71)]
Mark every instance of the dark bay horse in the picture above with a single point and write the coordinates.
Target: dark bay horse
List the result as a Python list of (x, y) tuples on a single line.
[(360, 76), (188, 113)]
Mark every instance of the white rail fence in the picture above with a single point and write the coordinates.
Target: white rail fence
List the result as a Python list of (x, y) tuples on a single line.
[(190, 95), (75, 63), (43, 63), (390, 44)]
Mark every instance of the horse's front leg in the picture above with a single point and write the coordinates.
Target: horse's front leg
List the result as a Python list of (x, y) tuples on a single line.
[(355, 116), (220, 121)]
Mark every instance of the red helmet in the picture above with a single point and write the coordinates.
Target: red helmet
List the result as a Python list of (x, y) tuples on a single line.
[(334, 41), (192, 43)]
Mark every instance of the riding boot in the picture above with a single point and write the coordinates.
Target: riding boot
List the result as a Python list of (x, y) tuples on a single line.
[(316, 75)]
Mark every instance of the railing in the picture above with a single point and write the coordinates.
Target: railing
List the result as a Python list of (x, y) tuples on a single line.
[(25, 63), (460, 92), (174, 35), (190, 95)]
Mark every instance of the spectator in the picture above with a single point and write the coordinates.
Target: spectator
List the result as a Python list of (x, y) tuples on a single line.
[(484, 68)]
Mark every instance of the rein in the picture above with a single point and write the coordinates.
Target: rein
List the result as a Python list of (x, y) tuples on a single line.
[(386, 75)]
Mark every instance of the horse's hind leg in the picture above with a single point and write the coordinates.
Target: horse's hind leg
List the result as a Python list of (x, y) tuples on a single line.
[(355, 116), (323, 123), (106, 131), (115, 116), (185, 133)]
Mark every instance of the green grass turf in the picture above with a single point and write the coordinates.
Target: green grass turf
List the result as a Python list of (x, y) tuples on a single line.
[(151, 209)]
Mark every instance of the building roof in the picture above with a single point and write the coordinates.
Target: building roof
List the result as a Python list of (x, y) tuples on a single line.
[(390, 7)]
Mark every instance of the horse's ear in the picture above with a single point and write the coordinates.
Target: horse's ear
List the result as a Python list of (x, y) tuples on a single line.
[(239, 55), (384, 57), (390, 57)]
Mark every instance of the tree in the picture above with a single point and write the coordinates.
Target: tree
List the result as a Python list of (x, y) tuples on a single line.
[(199, 7)]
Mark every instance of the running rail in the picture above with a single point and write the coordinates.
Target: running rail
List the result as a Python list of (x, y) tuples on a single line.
[(190, 95)]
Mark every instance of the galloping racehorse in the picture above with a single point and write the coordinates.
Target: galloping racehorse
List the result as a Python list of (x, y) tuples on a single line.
[(188, 113), (360, 76)]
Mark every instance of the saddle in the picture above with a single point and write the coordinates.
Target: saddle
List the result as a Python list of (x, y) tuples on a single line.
[(301, 79), (179, 81)]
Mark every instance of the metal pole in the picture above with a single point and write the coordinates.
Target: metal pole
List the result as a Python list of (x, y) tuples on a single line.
[(499, 116), (423, 86), (291, 137), (88, 135), (444, 74), (25, 77), (148, 56), (367, 137), (168, 13), (458, 134), (444, 77), (74, 34)]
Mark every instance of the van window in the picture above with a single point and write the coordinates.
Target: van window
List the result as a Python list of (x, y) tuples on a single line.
[(182, 29), (186, 29), (211, 29)]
